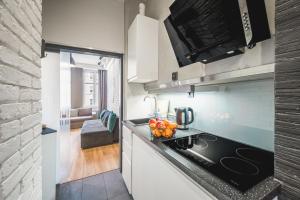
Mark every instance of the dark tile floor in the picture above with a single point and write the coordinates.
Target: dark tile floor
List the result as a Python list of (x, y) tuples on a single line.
[(105, 186)]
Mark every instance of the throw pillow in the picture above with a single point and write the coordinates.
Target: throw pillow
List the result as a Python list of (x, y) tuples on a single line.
[(101, 114), (111, 122), (105, 118)]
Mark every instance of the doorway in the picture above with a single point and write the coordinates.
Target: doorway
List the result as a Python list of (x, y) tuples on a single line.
[(79, 94)]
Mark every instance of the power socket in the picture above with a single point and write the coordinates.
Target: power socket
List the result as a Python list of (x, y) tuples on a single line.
[(174, 76)]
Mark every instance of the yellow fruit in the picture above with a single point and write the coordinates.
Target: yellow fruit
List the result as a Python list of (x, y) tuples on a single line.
[(166, 122), (161, 131), (163, 128), (172, 125), (152, 126), (168, 133), (156, 133)]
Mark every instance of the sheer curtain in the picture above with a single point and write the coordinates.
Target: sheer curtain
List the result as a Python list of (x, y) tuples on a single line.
[(65, 90), (64, 137), (102, 90), (114, 82)]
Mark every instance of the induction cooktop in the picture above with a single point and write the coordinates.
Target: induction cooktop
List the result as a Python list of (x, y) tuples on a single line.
[(240, 165)]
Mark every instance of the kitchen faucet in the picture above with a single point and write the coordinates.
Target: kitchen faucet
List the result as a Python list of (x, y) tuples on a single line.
[(155, 101)]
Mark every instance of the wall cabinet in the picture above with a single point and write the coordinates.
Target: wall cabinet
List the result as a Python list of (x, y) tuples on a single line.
[(143, 50), (155, 178)]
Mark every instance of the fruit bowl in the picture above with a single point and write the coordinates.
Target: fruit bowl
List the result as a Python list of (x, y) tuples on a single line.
[(162, 128)]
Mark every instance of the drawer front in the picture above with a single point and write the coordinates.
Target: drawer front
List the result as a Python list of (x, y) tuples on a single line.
[(127, 149), (127, 135), (126, 171)]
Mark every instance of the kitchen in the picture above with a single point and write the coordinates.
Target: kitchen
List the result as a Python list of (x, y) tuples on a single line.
[(203, 105), (227, 151)]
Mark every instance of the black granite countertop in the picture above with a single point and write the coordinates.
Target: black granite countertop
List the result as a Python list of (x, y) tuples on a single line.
[(265, 190)]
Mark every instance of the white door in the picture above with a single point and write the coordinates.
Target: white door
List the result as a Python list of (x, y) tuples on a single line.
[(50, 117), (55, 111), (65, 106)]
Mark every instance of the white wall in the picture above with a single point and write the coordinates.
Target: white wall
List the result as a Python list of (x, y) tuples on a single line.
[(20, 96), (263, 53), (97, 24)]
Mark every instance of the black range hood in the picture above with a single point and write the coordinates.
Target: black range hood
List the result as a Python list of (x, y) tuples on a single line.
[(209, 30)]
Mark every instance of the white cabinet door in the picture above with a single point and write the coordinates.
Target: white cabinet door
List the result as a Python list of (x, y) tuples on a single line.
[(132, 52), (143, 50), (126, 171), (154, 178), (126, 157), (127, 135)]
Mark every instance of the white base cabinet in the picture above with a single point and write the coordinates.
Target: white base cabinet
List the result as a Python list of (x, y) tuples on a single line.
[(126, 157), (149, 176), (154, 178)]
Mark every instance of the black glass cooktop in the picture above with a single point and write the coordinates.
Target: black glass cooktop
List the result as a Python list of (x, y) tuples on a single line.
[(240, 165)]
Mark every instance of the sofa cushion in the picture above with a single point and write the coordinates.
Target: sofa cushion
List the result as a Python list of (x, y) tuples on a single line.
[(85, 111), (81, 118), (94, 126), (111, 122), (74, 113)]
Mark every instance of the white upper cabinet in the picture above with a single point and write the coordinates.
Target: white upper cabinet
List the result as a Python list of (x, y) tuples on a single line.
[(143, 50)]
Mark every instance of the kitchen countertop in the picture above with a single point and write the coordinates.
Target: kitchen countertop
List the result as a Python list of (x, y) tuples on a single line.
[(265, 190), (46, 131)]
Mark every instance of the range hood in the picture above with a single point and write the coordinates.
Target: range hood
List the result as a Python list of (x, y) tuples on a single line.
[(246, 74), (209, 30)]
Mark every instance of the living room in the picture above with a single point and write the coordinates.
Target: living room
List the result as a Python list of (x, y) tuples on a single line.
[(89, 106)]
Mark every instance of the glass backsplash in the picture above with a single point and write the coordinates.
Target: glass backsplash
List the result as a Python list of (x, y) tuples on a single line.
[(242, 111)]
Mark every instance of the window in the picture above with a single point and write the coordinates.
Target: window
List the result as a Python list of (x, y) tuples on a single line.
[(90, 88)]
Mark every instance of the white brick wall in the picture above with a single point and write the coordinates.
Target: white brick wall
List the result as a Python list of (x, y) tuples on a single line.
[(20, 95)]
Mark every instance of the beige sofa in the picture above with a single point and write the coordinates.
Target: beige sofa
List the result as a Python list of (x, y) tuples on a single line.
[(79, 116)]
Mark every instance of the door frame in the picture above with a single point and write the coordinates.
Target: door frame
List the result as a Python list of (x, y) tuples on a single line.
[(52, 47)]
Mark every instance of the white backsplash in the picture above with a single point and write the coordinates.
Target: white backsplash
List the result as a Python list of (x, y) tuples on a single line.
[(239, 111)]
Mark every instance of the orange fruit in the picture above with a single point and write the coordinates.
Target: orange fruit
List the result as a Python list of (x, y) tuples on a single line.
[(152, 125), (156, 133), (166, 122), (172, 125), (168, 133)]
